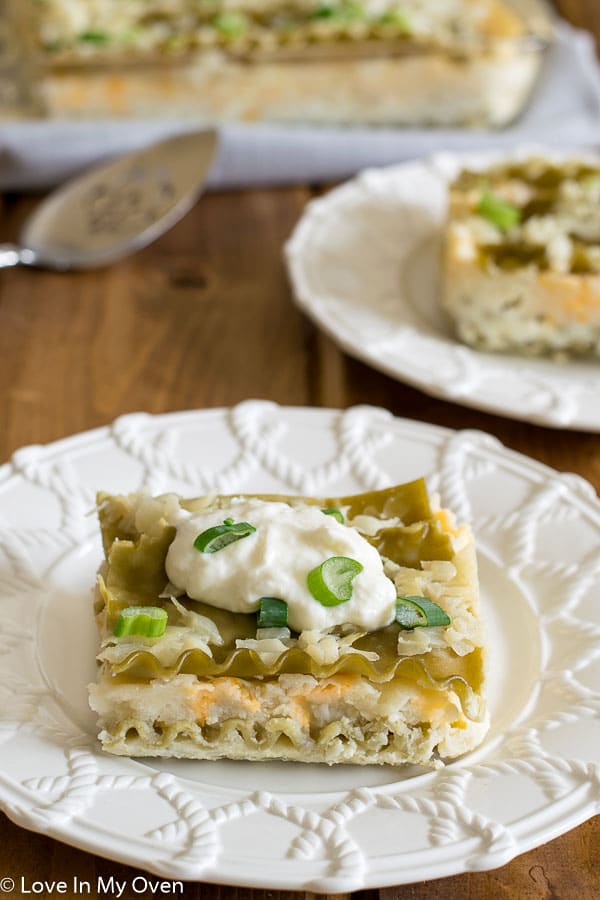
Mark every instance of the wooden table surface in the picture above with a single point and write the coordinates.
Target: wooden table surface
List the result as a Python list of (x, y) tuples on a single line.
[(203, 318)]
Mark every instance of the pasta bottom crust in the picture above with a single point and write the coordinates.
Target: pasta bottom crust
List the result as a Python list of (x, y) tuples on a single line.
[(295, 717)]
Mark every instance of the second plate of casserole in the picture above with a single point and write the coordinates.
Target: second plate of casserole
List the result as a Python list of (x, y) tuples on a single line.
[(365, 263)]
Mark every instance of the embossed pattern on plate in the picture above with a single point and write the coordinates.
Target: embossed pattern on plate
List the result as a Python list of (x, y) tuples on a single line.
[(278, 825), (364, 262)]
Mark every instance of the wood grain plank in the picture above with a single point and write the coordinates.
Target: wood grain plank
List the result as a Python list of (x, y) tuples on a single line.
[(564, 869), (200, 319), (39, 858), (329, 384), (583, 13)]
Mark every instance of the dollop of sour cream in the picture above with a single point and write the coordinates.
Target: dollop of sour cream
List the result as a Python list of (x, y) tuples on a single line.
[(275, 560)]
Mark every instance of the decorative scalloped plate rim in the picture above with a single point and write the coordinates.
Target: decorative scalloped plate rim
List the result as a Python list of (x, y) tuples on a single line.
[(326, 834), (374, 286)]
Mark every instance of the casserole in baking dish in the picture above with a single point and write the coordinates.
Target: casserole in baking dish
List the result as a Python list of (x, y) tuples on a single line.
[(401, 62)]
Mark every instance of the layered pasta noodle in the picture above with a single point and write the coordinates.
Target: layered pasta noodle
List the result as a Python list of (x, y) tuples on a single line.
[(220, 682)]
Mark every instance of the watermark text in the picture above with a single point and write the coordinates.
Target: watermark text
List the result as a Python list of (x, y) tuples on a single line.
[(103, 886)]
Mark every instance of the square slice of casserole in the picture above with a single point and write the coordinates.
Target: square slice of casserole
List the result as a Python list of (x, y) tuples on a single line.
[(522, 257), (336, 630)]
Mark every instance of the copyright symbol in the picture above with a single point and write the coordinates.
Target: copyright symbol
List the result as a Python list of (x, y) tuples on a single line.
[(7, 885)]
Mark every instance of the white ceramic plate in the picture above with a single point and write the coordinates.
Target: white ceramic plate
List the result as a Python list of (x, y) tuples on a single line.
[(288, 825), (364, 265)]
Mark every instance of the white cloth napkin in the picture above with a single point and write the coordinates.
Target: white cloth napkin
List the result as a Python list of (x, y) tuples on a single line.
[(564, 111)]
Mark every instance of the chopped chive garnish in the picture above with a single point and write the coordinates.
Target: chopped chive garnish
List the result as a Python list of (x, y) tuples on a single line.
[(220, 536), (499, 212), (336, 513), (149, 621), (331, 582), (272, 613), (418, 612)]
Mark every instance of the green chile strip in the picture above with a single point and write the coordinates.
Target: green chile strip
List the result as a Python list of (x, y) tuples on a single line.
[(220, 536)]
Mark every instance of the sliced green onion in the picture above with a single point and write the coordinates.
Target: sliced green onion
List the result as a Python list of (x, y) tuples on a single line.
[(324, 12), (220, 536), (94, 37), (149, 621), (230, 24), (397, 18), (342, 11), (499, 212), (418, 612), (590, 182), (336, 513), (331, 582), (409, 616), (272, 613)]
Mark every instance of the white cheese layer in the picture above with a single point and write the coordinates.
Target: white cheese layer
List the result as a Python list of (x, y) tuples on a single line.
[(275, 561)]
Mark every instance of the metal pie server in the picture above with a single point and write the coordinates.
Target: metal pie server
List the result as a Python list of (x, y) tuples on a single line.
[(116, 208)]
